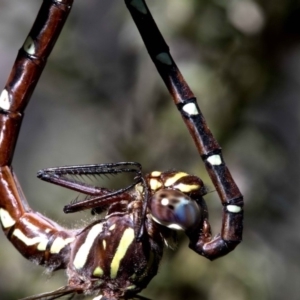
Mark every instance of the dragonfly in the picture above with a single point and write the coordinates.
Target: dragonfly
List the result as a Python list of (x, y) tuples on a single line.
[(118, 254)]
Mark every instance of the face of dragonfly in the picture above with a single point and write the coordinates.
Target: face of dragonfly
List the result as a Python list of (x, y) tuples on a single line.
[(173, 202)]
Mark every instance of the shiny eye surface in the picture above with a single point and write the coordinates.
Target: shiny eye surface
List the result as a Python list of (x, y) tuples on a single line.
[(174, 209)]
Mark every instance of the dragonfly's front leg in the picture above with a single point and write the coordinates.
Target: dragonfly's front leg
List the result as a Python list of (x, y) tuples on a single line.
[(98, 197)]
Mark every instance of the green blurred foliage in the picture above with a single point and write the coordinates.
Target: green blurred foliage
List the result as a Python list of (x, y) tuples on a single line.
[(100, 99)]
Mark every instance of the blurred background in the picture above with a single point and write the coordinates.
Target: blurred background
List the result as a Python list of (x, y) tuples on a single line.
[(100, 99)]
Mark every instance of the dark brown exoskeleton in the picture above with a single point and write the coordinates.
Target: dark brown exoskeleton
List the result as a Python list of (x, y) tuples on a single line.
[(116, 256)]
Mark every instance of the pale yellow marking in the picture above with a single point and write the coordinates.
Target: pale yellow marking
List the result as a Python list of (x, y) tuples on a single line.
[(139, 5), (104, 244), (191, 109), (98, 297), (133, 276), (186, 188), (4, 100), (131, 287), (175, 227), (215, 160), (47, 230), (84, 250), (112, 227), (234, 208), (59, 243), (98, 272), (139, 188), (42, 246), (155, 184), (164, 201), (155, 173), (167, 243), (32, 227), (29, 241), (174, 178), (29, 46), (6, 219), (43, 241), (125, 242), (164, 58)]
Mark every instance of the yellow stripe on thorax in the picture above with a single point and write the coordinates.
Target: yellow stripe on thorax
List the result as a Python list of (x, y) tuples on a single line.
[(84, 250), (125, 242), (174, 178), (187, 188)]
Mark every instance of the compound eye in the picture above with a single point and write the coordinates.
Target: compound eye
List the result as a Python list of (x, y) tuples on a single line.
[(174, 209)]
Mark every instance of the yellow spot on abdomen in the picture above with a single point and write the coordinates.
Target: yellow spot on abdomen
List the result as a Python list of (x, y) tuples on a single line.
[(30, 241), (6, 219), (59, 243), (29, 46), (234, 208), (215, 160), (42, 246), (4, 100), (191, 109), (164, 58)]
